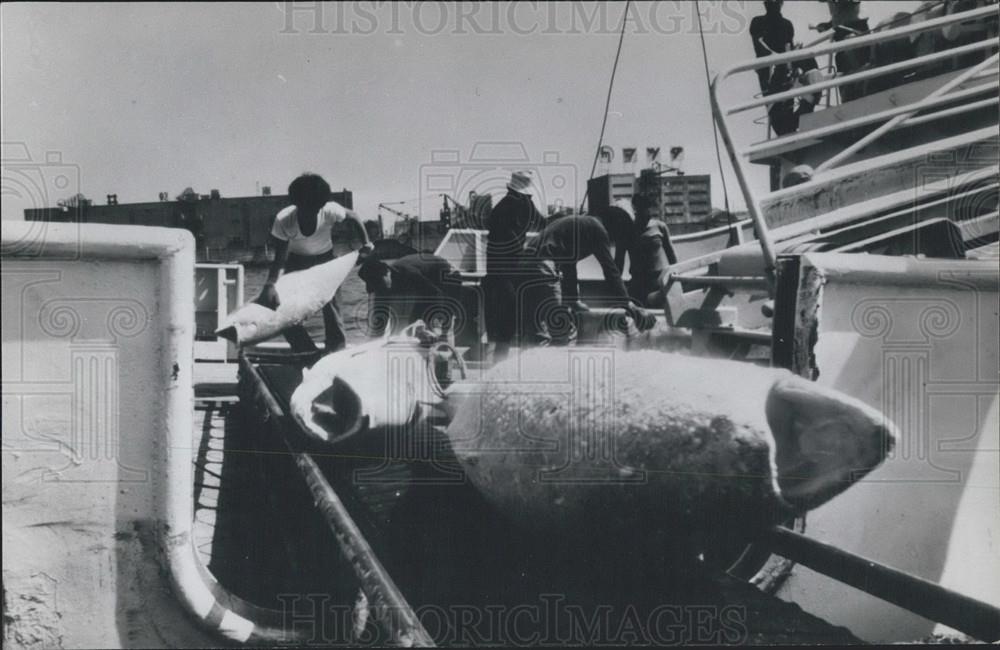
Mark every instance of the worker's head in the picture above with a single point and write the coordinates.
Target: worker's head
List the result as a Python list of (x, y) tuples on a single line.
[(641, 207), (773, 6), (376, 275), (798, 175), (522, 182), (309, 192)]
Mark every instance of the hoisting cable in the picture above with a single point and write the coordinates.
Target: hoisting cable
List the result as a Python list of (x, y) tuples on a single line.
[(607, 102), (715, 130)]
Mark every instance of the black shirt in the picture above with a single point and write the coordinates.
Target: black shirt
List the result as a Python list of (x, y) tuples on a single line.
[(508, 226), (776, 31), (569, 239), (424, 276)]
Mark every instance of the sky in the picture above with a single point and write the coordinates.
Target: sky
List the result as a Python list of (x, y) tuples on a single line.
[(396, 102)]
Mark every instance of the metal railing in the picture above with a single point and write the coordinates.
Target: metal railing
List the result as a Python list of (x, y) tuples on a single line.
[(932, 601), (220, 289), (905, 115)]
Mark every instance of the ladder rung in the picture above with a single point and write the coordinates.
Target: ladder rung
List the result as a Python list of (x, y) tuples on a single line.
[(750, 281), (757, 336)]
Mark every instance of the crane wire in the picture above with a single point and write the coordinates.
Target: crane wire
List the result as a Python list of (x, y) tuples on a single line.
[(607, 102), (715, 130)]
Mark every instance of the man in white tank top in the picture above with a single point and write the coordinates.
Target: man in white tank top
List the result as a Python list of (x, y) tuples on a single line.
[(302, 236)]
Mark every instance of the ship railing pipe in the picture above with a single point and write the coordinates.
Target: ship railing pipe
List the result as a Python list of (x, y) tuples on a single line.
[(948, 112), (922, 597), (750, 198), (387, 602), (385, 598), (915, 107), (860, 41), (853, 77), (884, 115), (735, 155)]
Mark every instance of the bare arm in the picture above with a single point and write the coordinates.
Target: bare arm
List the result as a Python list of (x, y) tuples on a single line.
[(620, 249), (280, 257), (359, 223), (612, 275), (268, 295)]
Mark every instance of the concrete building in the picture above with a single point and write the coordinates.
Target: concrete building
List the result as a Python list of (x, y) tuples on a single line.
[(602, 191), (226, 229), (684, 202)]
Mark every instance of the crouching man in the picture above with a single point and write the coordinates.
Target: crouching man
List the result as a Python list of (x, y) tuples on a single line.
[(549, 288), (414, 287)]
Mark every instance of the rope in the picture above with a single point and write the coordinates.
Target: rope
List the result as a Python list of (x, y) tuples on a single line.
[(715, 130), (607, 102)]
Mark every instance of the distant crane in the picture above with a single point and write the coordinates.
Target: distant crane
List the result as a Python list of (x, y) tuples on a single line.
[(398, 213), (447, 213)]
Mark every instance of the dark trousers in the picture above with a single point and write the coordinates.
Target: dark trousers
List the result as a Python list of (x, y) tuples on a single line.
[(544, 317), (850, 61), (298, 338), (500, 293)]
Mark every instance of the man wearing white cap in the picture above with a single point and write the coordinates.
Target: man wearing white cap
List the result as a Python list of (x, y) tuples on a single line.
[(509, 223)]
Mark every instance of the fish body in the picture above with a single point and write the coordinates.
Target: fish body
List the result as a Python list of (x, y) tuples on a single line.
[(608, 442), (301, 294)]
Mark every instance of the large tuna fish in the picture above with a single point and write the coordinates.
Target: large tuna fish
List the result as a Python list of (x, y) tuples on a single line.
[(629, 445), (301, 293), (373, 385)]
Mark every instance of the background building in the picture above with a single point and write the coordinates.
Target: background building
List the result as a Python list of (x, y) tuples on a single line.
[(602, 191), (682, 201), (226, 229)]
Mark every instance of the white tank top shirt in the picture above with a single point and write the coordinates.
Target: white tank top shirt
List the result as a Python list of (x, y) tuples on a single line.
[(286, 228)]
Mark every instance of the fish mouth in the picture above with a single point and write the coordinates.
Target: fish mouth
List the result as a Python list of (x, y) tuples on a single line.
[(825, 441), (338, 412), (228, 333)]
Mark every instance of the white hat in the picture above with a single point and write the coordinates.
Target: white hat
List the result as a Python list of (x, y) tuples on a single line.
[(522, 181)]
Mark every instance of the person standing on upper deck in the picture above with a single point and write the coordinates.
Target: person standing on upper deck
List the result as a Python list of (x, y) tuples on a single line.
[(509, 223), (302, 237), (772, 33), (846, 22)]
